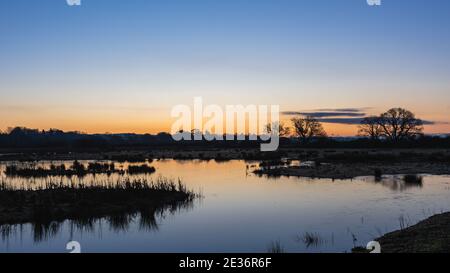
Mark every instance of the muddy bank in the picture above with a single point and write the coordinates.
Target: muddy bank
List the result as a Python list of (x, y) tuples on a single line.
[(352, 170)]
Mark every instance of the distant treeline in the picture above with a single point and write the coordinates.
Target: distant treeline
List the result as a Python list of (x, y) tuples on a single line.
[(21, 138)]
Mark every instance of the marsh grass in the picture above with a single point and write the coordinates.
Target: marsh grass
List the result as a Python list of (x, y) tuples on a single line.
[(75, 169), (275, 247), (130, 158), (378, 174), (413, 179), (310, 239), (140, 169), (404, 222), (116, 199)]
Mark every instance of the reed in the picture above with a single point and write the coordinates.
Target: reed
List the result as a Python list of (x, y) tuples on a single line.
[(140, 169), (56, 201)]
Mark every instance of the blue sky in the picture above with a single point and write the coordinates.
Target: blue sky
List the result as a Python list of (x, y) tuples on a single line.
[(113, 64)]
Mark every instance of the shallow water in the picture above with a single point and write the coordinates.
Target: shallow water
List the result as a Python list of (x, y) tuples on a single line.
[(241, 212)]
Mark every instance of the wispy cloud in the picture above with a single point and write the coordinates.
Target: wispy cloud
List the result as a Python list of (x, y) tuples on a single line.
[(325, 114), (356, 121), (347, 116), (330, 112), (348, 121), (346, 110)]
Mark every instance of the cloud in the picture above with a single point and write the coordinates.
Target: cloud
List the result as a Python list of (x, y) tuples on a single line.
[(429, 122), (329, 112), (347, 116), (347, 121), (347, 110), (324, 114), (353, 121)]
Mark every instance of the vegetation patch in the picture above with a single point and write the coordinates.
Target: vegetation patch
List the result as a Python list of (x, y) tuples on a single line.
[(76, 169), (429, 236), (57, 202)]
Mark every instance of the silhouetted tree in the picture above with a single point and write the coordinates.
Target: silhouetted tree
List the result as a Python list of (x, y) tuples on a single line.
[(308, 128), (370, 127), (399, 124), (283, 129)]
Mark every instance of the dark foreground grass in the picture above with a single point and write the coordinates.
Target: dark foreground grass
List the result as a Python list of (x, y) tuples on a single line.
[(58, 202), (428, 236)]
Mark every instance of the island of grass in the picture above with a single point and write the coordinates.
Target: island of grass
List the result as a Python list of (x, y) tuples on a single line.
[(56, 203), (76, 169), (350, 164)]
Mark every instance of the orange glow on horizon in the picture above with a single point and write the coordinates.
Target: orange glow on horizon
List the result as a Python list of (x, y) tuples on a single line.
[(164, 125)]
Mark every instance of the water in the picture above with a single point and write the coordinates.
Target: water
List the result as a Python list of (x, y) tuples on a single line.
[(241, 212)]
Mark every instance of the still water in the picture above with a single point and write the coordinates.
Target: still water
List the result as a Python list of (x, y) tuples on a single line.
[(241, 212)]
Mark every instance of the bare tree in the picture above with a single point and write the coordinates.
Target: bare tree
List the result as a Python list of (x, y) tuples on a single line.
[(283, 129), (308, 128), (398, 124), (370, 127)]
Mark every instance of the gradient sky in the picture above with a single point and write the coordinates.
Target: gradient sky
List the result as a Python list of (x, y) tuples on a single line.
[(120, 65)]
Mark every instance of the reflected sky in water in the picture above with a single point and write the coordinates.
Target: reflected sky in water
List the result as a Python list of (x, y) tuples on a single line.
[(241, 212)]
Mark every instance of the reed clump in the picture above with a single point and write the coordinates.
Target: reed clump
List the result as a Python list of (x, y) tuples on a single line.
[(56, 201), (75, 169), (140, 169), (413, 179)]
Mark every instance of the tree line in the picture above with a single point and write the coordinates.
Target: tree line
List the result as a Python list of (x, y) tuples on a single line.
[(396, 128), (395, 125)]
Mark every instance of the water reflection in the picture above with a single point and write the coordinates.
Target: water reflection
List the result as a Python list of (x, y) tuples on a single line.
[(393, 182), (81, 189), (398, 182), (147, 220)]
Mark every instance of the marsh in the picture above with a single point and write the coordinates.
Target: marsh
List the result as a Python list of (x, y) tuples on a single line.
[(242, 212)]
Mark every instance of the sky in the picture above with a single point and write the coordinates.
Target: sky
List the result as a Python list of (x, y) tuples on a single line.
[(121, 65)]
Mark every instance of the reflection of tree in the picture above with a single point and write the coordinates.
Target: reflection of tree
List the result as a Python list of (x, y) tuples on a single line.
[(397, 184)]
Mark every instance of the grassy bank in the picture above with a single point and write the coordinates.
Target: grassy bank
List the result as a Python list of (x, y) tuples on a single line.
[(428, 236)]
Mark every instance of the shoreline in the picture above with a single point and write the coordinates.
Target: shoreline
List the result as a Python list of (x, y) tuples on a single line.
[(326, 163), (340, 171), (313, 154)]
